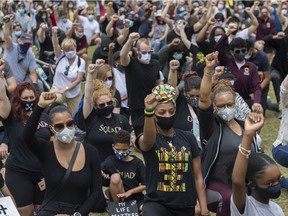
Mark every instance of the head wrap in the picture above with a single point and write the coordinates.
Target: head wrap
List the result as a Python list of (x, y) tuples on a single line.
[(165, 92)]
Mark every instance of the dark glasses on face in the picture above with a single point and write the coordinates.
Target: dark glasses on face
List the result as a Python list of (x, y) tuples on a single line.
[(103, 105), (238, 51), (109, 78), (59, 127), (66, 70), (146, 52)]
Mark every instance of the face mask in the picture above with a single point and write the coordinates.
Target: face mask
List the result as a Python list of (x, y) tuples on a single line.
[(28, 105), (105, 111), (23, 48), (145, 58), (70, 6), (264, 16), (239, 57), (90, 17), (240, 7), (227, 114), (122, 156), (64, 20), (108, 83), (66, 135), (284, 12), (232, 82), (43, 17), (122, 17), (70, 54), (193, 101), (217, 38), (17, 33), (272, 192), (21, 11), (78, 34), (165, 123), (256, 13), (220, 6), (177, 56), (247, 56), (131, 23)]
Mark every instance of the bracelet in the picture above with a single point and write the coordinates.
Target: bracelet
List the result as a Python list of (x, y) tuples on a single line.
[(246, 153), (149, 110), (149, 113), (209, 73)]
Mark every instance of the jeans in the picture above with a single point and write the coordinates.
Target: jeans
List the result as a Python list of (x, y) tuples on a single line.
[(277, 79), (280, 154), (157, 45)]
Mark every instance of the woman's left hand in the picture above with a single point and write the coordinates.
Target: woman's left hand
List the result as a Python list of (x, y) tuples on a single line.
[(46, 99), (253, 123)]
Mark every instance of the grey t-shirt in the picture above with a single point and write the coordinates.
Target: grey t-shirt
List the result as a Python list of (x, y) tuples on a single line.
[(255, 208)]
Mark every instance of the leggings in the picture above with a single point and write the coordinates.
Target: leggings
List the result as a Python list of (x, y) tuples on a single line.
[(157, 209), (24, 187), (218, 198)]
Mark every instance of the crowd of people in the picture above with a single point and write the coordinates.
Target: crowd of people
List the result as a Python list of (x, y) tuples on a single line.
[(183, 82)]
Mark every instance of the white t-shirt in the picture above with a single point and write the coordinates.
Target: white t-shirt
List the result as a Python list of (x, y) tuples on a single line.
[(90, 27), (60, 80), (81, 3), (255, 208), (64, 26), (120, 84)]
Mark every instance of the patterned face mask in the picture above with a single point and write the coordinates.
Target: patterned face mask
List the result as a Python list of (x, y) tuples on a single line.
[(121, 156)]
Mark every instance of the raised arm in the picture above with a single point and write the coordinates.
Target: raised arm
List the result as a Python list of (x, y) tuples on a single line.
[(166, 19), (110, 54), (184, 38), (7, 30), (41, 32), (253, 123), (253, 23), (89, 87), (124, 54), (206, 83), (148, 139), (55, 42), (172, 75), (121, 38), (5, 106), (202, 34), (109, 27)]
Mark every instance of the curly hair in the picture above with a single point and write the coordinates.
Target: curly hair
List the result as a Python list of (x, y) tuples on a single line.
[(122, 137), (101, 89), (19, 114), (222, 86), (102, 75)]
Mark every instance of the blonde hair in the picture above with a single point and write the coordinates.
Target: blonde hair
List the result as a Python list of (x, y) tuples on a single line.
[(100, 89), (102, 75), (68, 42)]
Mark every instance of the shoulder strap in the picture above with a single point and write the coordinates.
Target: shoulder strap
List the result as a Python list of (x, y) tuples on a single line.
[(64, 179), (59, 61), (79, 61)]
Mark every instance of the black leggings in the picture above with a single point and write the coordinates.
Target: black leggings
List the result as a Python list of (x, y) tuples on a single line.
[(157, 209), (24, 187)]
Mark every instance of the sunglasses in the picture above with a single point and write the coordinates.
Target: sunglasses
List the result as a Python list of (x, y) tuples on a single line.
[(60, 127), (238, 51), (66, 70), (109, 78), (103, 105)]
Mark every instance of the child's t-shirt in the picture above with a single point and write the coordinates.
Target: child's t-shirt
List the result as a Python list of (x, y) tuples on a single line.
[(132, 173)]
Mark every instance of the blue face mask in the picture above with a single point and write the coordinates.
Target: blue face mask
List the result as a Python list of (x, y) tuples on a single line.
[(272, 192), (21, 11), (121, 156), (131, 23), (177, 56), (18, 33)]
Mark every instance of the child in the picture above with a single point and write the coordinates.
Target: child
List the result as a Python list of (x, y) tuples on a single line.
[(260, 171), (126, 172)]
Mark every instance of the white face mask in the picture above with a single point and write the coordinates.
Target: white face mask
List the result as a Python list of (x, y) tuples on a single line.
[(108, 83), (70, 54), (90, 18), (232, 82), (220, 6), (227, 113), (78, 34), (217, 38), (66, 135), (283, 12), (145, 58)]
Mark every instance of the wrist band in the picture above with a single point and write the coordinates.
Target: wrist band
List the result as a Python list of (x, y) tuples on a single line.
[(149, 113), (149, 110), (244, 151)]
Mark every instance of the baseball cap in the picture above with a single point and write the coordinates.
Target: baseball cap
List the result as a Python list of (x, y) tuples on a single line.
[(26, 38), (178, 17)]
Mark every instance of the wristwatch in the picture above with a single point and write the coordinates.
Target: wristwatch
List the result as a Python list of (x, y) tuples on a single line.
[(77, 214)]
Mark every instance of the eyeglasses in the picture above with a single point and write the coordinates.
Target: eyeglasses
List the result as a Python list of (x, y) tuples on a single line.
[(103, 105), (66, 70), (238, 51), (109, 78), (59, 127), (146, 52), (222, 107)]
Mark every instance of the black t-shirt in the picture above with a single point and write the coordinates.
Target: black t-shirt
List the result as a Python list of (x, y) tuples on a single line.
[(140, 80), (189, 30), (132, 173), (82, 187), (198, 59), (169, 172), (117, 96), (21, 159), (183, 116), (102, 130)]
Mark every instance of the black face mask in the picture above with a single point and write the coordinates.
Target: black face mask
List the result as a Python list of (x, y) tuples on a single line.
[(165, 123), (23, 48), (272, 192), (28, 106), (105, 111), (239, 57)]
